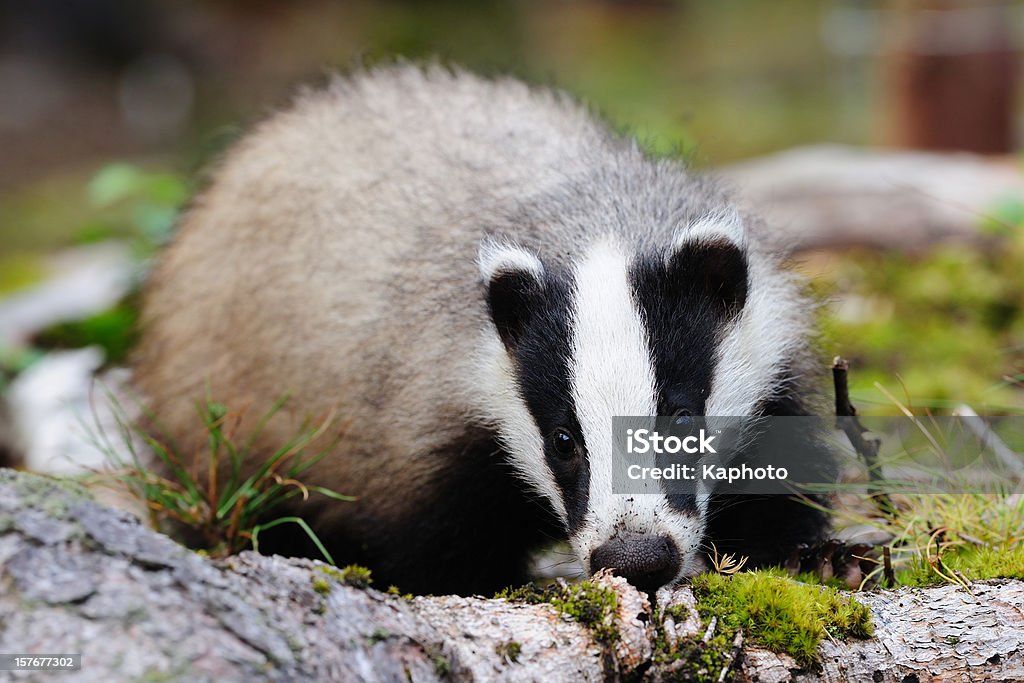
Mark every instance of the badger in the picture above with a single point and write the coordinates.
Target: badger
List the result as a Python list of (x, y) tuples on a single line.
[(476, 275)]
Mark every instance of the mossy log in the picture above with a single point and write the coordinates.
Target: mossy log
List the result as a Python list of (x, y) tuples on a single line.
[(81, 578)]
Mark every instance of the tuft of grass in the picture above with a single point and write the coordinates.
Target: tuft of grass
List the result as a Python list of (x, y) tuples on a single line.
[(964, 565), (186, 493), (778, 613), (974, 534), (991, 562), (946, 537)]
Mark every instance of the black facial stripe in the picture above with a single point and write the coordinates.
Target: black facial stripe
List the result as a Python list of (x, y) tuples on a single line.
[(682, 327), (543, 354), (786, 400), (682, 502), (510, 297), (684, 323)]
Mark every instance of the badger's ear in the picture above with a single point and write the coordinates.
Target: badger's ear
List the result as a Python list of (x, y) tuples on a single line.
[(709, 261), (515, 286)]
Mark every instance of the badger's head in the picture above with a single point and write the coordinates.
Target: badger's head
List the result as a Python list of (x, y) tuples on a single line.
[(697, 327)]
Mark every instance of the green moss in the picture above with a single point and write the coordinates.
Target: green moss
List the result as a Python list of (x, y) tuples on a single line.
[(968, 563), (379, 635), (586, 602), (393, 590), (779, 613), (693, 660), (989, 563), (356, 576), (442, 667), (592, 606), (509, 651), (531, 594), (352, 575), (321, 585), (813, 579), (690, 659)]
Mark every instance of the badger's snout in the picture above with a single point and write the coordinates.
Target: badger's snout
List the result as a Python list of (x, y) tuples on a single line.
[(646, 561)]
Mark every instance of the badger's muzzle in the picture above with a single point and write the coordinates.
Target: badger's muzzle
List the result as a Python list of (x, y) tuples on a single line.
[(648, 562)]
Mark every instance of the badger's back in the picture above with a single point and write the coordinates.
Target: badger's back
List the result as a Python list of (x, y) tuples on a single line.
[(332, 255)]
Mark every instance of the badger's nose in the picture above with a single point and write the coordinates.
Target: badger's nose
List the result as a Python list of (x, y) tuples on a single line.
[(647, 562)]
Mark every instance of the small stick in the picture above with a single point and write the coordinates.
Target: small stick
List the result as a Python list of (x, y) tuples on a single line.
[(887, 572), (737, 643), (867, 448), (668, 624), (711, 629)]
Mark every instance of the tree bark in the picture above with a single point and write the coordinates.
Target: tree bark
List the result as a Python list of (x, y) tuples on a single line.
[(77, 577)]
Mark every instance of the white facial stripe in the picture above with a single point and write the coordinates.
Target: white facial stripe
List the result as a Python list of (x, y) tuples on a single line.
[(757, 344), (498, 398), (612, 373), (754, 346), (502, 406), (723, 224), (495, 257), (611, 369)]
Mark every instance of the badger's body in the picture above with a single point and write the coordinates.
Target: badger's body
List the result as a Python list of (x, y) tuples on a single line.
[(470, 272)]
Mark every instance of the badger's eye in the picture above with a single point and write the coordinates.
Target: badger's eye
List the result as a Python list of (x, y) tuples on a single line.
[(682, 418), (564, 443)]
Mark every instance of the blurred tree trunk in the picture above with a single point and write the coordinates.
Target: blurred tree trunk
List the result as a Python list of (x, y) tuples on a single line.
[(830, 196), (951, 75)]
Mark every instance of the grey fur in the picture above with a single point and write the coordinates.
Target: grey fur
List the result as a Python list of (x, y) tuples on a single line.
[(333, 256)]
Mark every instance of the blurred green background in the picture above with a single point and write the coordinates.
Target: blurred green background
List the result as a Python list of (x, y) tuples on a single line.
[(110, 109)]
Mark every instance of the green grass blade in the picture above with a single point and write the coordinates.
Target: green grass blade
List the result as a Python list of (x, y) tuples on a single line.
[(291, 520)]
